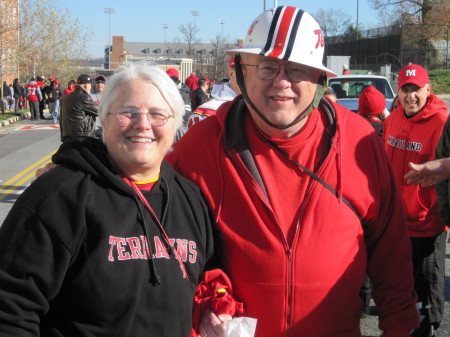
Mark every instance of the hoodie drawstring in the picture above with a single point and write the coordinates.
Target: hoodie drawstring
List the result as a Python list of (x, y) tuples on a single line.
[(169, 247)]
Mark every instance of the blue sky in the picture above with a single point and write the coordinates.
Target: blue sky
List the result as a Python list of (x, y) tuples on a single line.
[(142, 20)]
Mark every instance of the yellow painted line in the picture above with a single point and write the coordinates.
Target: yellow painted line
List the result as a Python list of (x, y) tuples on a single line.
[(22, 177)]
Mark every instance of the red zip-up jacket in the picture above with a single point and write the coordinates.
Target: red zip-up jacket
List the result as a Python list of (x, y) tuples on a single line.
[(311, 287), (414, 140)]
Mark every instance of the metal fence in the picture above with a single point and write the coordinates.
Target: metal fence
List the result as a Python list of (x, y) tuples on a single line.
[(427, 45)]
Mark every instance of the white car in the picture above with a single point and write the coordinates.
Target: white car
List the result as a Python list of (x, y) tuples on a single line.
[(348, 88)]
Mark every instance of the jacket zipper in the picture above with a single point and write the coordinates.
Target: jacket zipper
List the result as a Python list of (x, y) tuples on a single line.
[(290, 281), (290, 250)]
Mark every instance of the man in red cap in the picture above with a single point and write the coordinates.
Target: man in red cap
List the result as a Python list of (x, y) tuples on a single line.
[(182, 87), (220, 94), (411, 134)]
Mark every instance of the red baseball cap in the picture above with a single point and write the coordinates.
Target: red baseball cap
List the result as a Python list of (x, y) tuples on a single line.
[(413, 73)]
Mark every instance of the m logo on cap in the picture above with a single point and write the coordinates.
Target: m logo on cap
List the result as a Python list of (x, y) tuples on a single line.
[(411, 72)]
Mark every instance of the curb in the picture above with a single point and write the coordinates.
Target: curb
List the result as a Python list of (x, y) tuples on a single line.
[(14, 119)]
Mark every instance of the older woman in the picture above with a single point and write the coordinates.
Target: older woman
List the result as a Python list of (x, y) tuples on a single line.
[(112, 241)]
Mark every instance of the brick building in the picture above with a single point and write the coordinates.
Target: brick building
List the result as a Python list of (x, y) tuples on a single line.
[(9, 40), (204, 59)]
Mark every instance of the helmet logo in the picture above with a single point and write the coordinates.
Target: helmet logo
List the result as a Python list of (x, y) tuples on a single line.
[(250, 30), (320, 38)]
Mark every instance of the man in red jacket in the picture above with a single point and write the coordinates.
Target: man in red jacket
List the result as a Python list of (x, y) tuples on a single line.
[(34, 96), (302, 192), (411, 134)]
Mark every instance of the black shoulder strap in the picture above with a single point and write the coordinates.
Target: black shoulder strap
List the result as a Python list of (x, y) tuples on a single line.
[(237, 139)]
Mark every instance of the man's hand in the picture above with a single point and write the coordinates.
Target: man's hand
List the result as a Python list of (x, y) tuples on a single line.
[(428, 173), (46, 168), (212, 325)]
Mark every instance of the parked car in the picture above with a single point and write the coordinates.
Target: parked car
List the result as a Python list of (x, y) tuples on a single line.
[(348, 88)]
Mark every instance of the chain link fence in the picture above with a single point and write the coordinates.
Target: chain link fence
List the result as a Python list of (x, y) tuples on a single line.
[(427, 45)]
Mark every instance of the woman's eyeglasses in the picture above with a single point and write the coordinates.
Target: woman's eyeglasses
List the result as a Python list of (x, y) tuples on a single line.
[(131, 116)]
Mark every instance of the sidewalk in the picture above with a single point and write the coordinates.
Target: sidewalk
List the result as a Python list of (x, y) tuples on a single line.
[(14, 119), (23, 117)]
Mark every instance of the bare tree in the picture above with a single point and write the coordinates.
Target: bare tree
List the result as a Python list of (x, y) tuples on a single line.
[(416, 11), (189, 35), (423, 21), (334, 22), (9, 22), (52, 45), (219, 69)]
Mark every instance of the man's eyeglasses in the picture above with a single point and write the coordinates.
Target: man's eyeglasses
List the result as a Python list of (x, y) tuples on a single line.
[(131, 116), (268, 70)]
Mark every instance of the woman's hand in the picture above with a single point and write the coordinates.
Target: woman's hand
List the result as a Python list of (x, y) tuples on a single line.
[(213, 326)]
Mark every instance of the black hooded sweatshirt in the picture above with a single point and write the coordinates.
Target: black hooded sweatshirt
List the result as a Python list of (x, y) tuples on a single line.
[(74, 258)]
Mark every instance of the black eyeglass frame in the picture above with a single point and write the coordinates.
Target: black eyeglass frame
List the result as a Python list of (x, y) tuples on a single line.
[(287, 68)]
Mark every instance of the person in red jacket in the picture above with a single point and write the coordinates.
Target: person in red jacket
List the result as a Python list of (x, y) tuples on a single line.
[(372, 106), (302, 192), (70, 87), (34, 96), (345, 70), (192, 82), (411, 134)]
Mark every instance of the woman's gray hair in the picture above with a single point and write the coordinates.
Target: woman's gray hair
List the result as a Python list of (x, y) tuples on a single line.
[(148, 72)]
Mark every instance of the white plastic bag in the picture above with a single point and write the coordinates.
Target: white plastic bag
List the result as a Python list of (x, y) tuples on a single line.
[(241, 327)]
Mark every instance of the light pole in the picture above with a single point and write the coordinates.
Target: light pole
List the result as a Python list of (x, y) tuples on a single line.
[(357, 20), (109, 11), (195, 14), (165, 26), (222, 22)]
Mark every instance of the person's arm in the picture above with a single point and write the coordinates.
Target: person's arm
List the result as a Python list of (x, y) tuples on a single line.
[(389, 257), (33, 262), (428, 173), (90, 108), (39, 93)]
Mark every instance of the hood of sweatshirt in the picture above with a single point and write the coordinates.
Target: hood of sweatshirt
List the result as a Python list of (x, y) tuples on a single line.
[(434, 105), (91, 157)]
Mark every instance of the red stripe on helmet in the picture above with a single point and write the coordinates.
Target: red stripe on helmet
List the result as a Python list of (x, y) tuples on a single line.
[(283, 30)]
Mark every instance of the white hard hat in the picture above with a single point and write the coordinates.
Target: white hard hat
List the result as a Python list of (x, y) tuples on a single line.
[(286, 33)]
